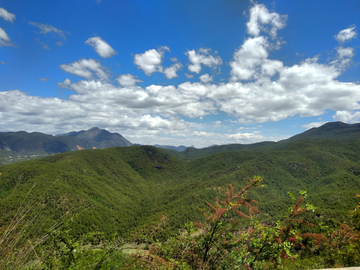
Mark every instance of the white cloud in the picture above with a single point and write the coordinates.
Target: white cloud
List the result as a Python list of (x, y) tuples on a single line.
[(242, 138), (345, 52), (150, 61), (47, 28), (101, 47), (246, 137), (65, 84), (170, 72), (205, 78), (189, 76), (202, 57), (167, 101), (204, 134), (128, 80), (4, 38), (314, 125), (306, 89), (86, 68), (7, 16), (249, 58), (347, 116), (153, 123), (260, 17), (346, 34), (344, 56)]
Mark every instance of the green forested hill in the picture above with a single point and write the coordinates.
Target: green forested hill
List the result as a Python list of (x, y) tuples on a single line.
[(124, 189), (338, 131)]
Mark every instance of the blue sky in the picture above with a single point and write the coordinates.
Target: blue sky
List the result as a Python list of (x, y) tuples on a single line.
[(179, 72)]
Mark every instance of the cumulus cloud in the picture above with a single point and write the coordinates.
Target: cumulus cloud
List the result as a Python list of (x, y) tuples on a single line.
[(7, 16), (272, 91), (86, 68), (128, 80), (150, 61), (205, 78), (347, 116), (306, 89), (47, 28), (345, 52), (170, 72), (249, 58), (168, 101), (101, 47), (246, 137), (344, 57), (65, 84), (260, 18), (202, 57), (346, 34), (251, 61)]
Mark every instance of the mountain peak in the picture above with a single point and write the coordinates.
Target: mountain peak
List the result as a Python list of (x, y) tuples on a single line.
[(94, 129), (338, 130)]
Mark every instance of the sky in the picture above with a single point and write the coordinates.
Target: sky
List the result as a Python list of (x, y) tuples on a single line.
[(179, 72)]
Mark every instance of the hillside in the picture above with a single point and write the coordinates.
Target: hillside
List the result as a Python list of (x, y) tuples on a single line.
[(335, 130), (127, 189)]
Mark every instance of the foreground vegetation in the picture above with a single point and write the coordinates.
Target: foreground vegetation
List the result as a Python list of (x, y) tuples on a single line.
[(230, 237)]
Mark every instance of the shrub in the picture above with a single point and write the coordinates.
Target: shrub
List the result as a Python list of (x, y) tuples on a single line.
[(224, 241)]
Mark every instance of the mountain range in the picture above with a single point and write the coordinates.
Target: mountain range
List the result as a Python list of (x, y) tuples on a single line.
[(17, 146)]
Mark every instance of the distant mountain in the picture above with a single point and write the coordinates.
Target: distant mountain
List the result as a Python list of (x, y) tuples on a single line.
[(334, 130), (98, 138), (22, 142), (170, 147), (17, 146)]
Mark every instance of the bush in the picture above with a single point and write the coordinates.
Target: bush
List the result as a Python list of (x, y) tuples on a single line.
[(224, 241)]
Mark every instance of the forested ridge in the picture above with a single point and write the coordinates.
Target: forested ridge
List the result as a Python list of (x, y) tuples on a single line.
[(146, 195)]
